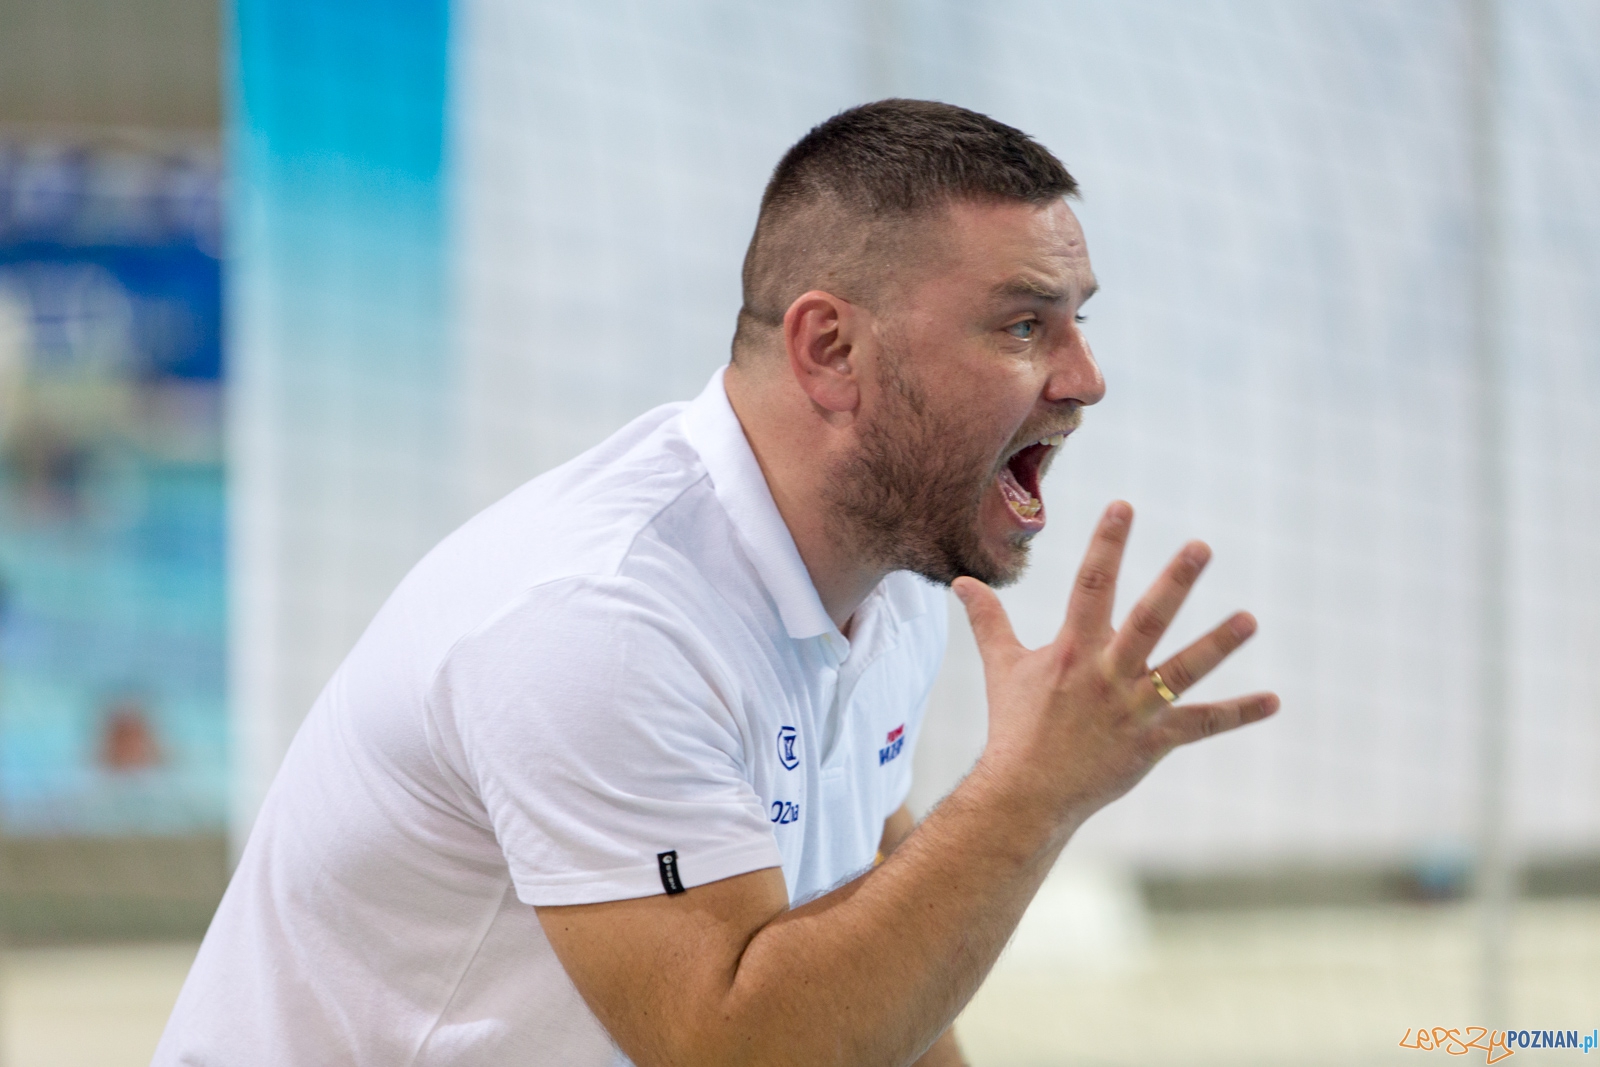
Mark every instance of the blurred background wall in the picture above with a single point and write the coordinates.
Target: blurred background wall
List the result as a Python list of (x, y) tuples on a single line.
[(113, 727), (91, 64)]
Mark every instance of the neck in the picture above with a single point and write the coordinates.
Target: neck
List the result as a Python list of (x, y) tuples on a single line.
[(794, 444)]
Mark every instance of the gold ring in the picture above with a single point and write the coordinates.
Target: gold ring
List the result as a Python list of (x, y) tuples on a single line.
[(1161, 687)]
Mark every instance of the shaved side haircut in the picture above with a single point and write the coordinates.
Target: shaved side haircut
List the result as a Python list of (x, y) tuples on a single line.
[(845, 206)]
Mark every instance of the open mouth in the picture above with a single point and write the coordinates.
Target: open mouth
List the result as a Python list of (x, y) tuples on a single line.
[(1019, 477)]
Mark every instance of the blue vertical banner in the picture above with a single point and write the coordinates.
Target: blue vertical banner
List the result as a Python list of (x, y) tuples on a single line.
[(339, 405), (112, 710)]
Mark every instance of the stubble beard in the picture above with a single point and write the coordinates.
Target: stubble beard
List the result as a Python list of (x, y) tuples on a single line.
[(911, 497)]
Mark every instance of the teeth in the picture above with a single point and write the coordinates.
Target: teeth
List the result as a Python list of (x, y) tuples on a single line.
[(1053, 441)]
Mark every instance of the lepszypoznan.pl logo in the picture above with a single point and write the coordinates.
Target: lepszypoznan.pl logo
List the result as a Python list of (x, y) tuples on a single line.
[(1496, 1045)]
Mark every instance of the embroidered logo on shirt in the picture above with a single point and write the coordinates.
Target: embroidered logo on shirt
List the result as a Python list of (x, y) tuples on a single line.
[(785, 812), (668, 862), (897, 740), (787, 736)]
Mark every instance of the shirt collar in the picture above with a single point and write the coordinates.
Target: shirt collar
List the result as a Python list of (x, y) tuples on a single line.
[(714, 432)]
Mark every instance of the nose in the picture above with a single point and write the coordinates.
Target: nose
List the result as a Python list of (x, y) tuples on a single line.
[(1074, 374)]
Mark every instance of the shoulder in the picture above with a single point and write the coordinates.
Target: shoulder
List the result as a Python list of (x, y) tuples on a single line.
[(584, 642), (584, 516), (550, 558), (586, 669), (557, 537)]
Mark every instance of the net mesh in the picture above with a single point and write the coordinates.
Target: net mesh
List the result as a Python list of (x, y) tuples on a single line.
[(1278, 201)]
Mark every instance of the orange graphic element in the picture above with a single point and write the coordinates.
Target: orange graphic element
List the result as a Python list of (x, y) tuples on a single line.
[(1454, 1041)]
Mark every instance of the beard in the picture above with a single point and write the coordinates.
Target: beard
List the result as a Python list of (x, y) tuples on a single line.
[(911, 497)]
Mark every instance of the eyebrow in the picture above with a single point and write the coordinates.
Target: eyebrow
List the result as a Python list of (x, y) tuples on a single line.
[(1024, 286)]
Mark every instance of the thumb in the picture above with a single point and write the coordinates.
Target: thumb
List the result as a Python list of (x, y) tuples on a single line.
[(987, 616)]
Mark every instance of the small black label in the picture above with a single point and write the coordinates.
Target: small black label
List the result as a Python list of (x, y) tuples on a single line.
[(670, 881)]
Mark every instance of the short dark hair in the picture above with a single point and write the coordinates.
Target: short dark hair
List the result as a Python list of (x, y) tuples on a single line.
[(838, 201)]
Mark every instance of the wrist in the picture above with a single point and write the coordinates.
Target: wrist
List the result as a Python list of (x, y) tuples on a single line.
[(1010, 792)]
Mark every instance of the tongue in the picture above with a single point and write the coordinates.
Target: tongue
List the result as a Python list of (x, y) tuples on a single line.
[(1022, 502)]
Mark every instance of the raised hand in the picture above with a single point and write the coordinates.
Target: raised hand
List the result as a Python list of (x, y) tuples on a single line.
[(1077, 722)]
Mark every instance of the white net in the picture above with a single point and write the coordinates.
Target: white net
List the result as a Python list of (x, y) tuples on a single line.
[(1278, 199)]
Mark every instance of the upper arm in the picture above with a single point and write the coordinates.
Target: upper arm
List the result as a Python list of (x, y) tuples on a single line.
[(597, 732), (649, 967)]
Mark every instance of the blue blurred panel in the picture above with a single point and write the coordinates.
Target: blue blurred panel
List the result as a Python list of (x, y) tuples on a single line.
[(339, 367), (112, 572), (338, 220), (327, 87), (174, 292), (117, 615)]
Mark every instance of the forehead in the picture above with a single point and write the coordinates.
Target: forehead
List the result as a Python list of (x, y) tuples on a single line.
[(986, 246)]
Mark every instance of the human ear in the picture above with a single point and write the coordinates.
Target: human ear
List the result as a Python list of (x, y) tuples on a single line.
[(818, 334)]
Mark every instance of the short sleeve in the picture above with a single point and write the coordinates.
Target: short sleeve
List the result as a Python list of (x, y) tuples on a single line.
[(600, 731)]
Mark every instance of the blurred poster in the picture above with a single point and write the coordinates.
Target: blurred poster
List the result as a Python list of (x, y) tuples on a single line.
[(112, 606)]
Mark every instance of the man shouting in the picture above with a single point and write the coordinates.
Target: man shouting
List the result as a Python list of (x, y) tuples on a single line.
[(606, 778)]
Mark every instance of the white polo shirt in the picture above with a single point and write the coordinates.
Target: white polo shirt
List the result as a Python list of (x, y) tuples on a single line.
[(617, 680)]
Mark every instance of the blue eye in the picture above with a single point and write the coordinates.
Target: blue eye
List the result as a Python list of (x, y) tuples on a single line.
[(1023, 330)]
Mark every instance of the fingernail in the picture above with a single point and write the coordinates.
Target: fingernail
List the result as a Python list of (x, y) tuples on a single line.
[(1243, 625), (1120, 511), (1270, 703)]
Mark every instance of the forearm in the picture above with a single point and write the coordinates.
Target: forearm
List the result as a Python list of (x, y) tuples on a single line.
[(874, 972)]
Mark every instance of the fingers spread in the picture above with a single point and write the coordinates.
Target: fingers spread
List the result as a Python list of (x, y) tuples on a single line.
[(990, 625), (1192, 722), (1089, 609), (1193, 663), (1155, 611)]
